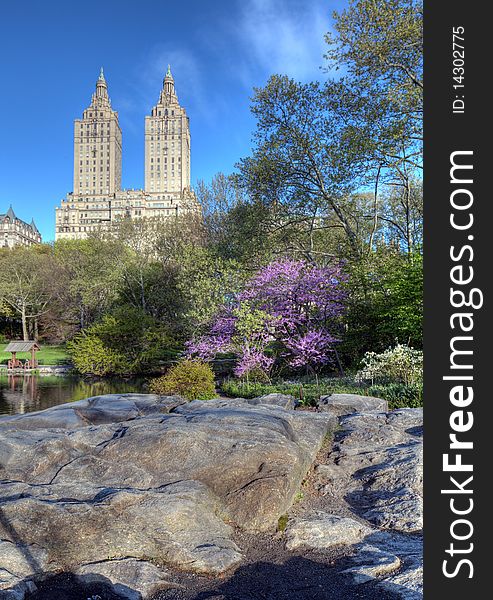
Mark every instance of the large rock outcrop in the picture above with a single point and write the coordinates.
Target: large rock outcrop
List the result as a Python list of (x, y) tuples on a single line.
[(377, 464), (374, 472), (140, 476)]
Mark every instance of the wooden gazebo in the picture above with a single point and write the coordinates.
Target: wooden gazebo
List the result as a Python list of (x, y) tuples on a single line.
[(15, 347)]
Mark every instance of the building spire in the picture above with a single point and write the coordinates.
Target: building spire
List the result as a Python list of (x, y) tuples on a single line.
[(101, 88), (169, 87)]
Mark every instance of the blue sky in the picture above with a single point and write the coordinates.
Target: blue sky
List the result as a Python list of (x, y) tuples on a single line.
[(218, 50)]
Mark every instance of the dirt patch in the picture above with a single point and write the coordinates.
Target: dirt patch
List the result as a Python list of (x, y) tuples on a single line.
[(66, 587), (269, 572)]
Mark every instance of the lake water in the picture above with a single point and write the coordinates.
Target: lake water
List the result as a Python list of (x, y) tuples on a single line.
[(28, 393)]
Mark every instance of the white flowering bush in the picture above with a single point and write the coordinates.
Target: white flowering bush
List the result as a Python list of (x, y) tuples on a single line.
[(401, 364)]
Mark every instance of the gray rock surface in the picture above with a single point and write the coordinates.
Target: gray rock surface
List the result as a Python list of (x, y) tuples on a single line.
[(372, 562), (376, 466), (111, 408), (283, 400), (16, 563), (325, 531), (178, 524), (375, 471), (394, 559), (100, 487), (130, 578), (164, 481), (407, 582), (345, 404)]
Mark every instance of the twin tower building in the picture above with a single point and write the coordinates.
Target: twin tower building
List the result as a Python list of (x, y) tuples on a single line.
[(97, 199)]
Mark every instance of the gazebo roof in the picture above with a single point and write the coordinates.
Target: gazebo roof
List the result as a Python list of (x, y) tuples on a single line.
[(21, 346)]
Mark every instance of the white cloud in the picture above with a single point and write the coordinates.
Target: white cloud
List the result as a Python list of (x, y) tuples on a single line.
[(147, 81), (284, 37)]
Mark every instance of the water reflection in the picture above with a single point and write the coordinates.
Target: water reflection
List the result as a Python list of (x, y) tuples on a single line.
[(28, 393)]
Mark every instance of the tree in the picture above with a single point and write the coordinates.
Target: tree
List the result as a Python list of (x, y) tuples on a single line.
[(317, 145), (385, 303), (150, 252), (204, 282), (402, 214), (288, 312), (26, 284), (124, 342), (304, 164), (89, 276), (379, 45)]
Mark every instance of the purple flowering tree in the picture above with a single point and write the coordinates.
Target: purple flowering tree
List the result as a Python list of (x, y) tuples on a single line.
[(286, 314)]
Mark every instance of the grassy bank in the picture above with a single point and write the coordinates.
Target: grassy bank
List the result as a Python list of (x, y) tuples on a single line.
[(48, 355), (397, 395)]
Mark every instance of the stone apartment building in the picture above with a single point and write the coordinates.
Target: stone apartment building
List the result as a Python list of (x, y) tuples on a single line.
[(16, 232), (97, 199)]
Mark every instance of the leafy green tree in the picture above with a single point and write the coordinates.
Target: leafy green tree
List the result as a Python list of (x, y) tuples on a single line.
[(150, 261), (379, 47), (204, 282), (124, 342), (385, 304), (379, 44), (89, 276), (26, 277), (316, 144), (303, 166)]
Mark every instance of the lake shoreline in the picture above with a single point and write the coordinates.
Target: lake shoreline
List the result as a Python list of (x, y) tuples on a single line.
[(29, 392)]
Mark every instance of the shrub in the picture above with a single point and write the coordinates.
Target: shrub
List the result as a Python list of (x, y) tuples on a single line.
[(191, 379), (123, 343), (399, 395), (401, 364), (282, 523), (91, 356), (385, 304)]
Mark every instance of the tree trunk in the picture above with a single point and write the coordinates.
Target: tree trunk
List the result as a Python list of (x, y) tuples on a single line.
[(375, 212), (24, 323)]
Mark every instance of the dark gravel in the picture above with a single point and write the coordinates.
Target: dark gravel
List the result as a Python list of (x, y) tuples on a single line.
[(65, 587), (270, 572)]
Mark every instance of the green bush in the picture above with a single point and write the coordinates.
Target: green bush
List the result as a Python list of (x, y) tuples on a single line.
[(126, 342), (399, 395), (191, 379), (91, 356), (385, 304)]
